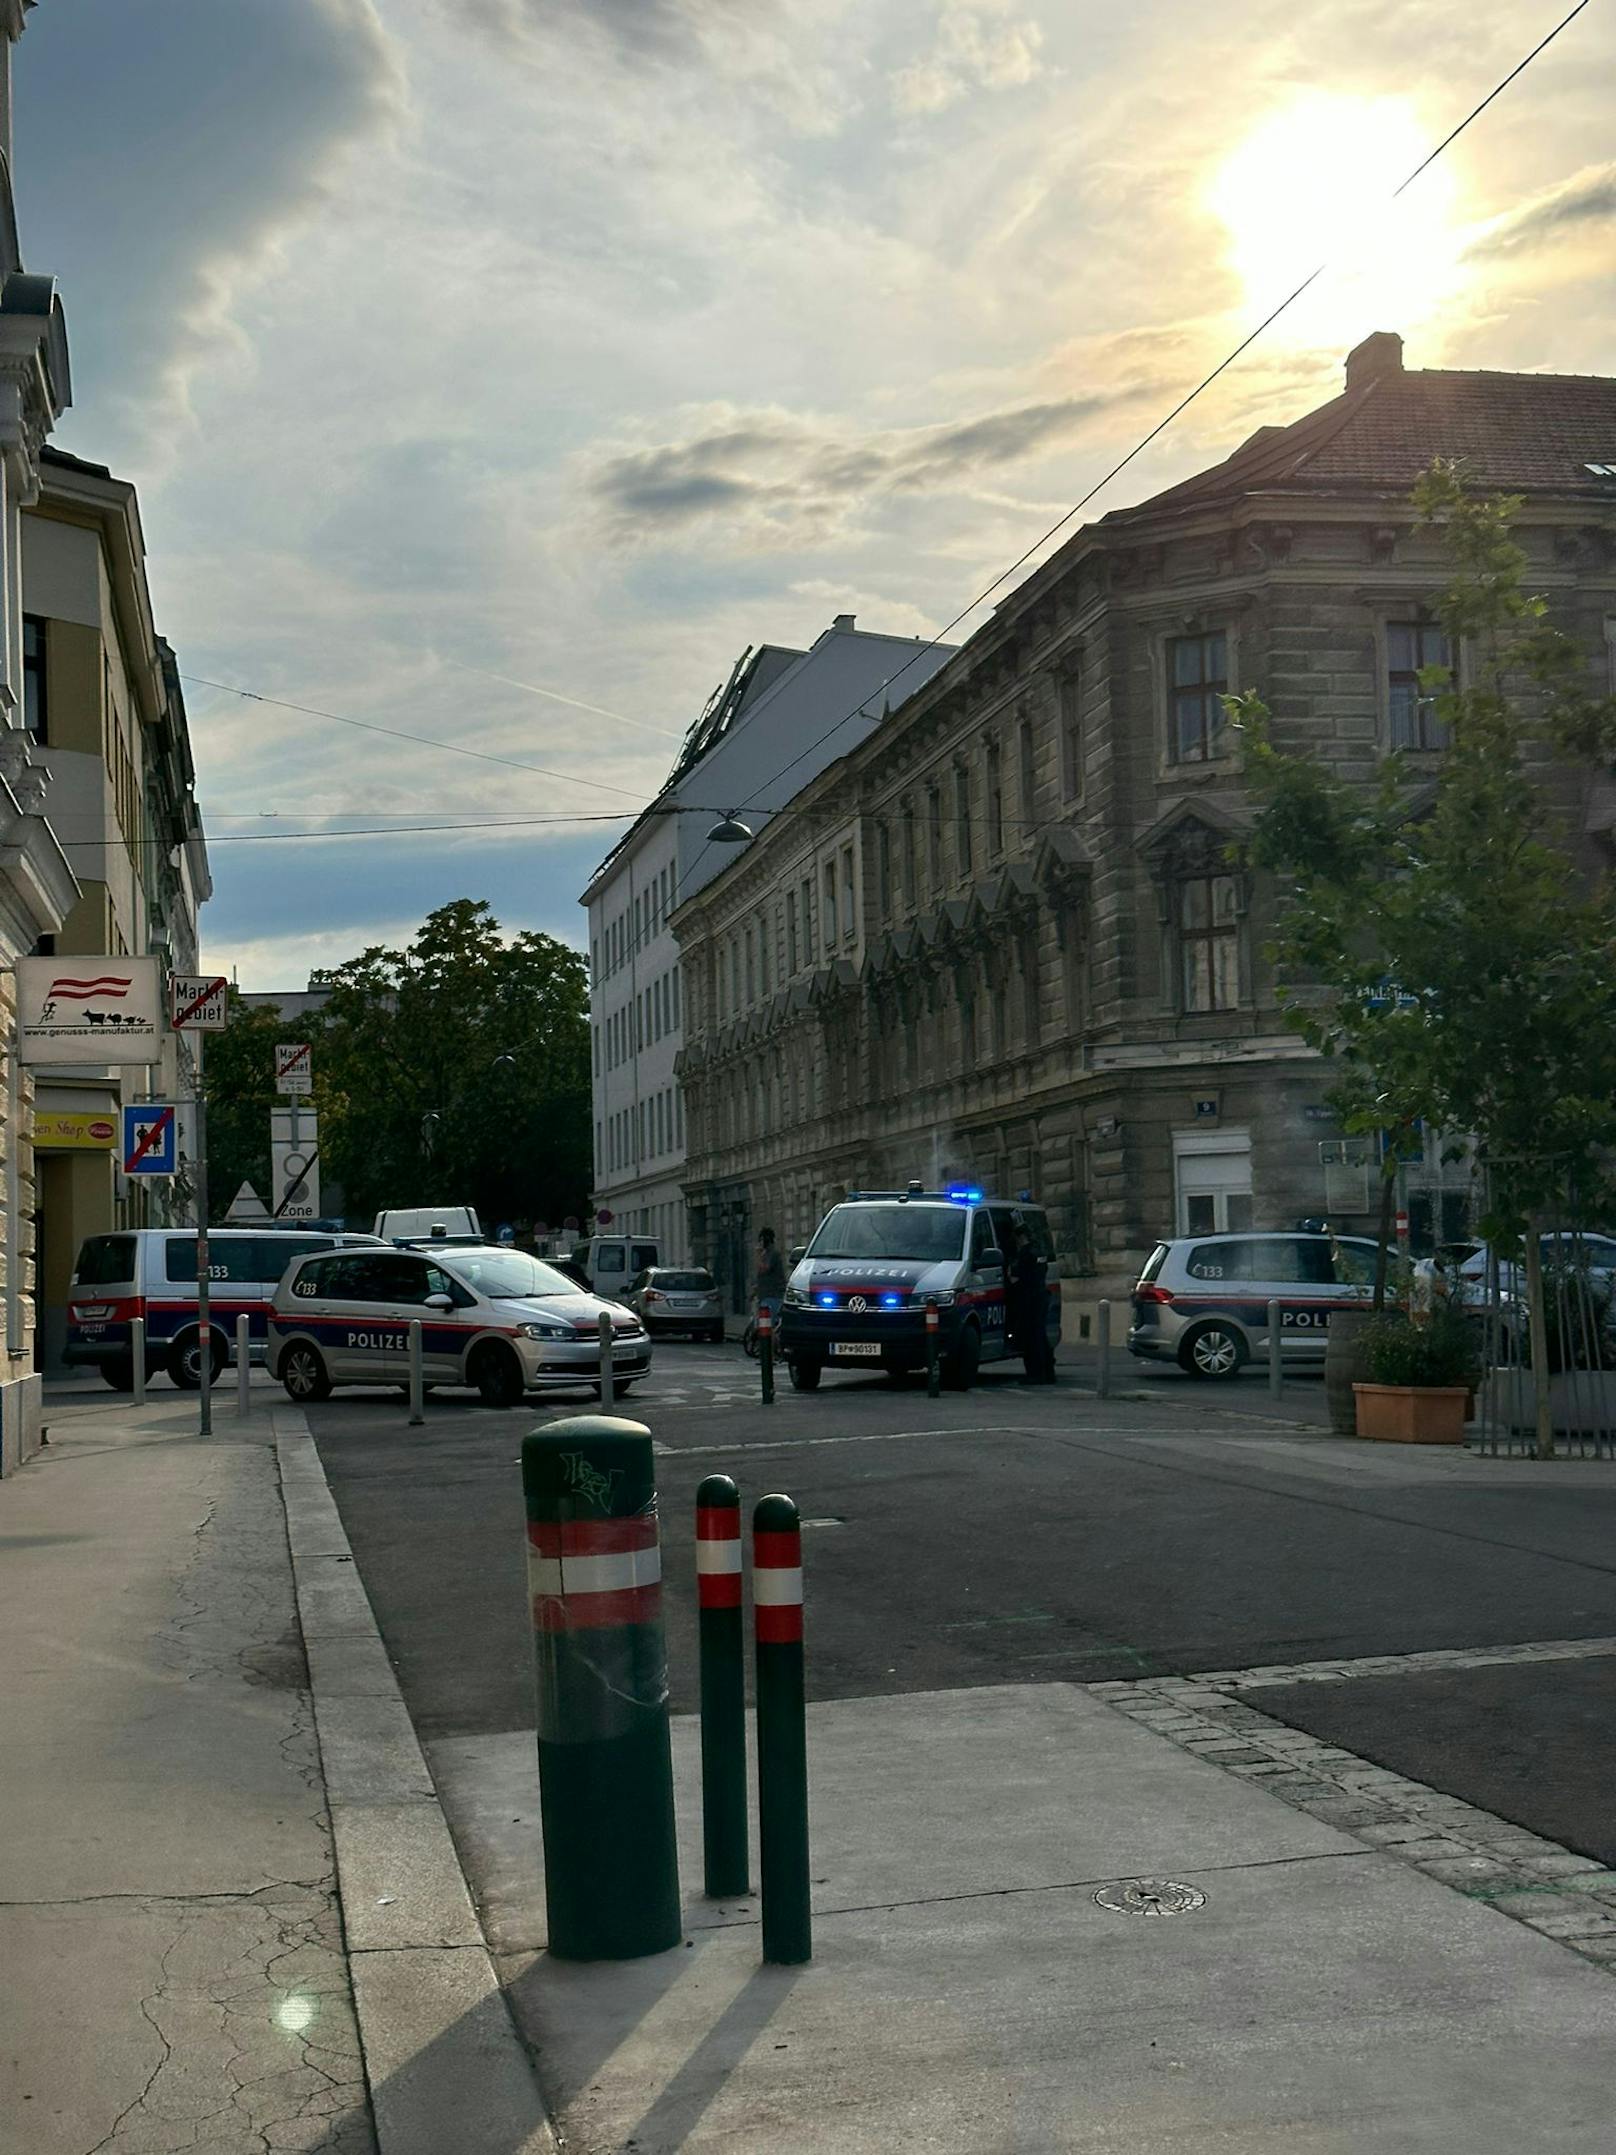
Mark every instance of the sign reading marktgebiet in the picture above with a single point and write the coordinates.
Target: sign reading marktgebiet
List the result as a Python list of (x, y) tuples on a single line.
[(198, 1002), (294, 1069), (89, 1010)]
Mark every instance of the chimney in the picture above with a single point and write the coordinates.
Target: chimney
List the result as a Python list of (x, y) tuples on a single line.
[(843, 624), (1380, 353)]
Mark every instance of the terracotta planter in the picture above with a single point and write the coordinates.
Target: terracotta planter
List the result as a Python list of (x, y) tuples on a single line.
[(1412, 1413)]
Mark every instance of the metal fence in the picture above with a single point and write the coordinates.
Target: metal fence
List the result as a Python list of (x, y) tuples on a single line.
[(1580, 1342)]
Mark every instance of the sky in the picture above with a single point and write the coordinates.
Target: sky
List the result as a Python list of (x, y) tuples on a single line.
[(496, 371)]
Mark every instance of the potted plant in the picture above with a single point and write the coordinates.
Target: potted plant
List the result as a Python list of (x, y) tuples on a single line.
[(1420, 1377)]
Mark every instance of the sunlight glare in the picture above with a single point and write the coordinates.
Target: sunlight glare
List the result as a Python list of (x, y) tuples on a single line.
[(1310, 183)]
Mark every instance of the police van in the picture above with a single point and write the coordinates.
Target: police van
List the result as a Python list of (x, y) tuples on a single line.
[(150, 1273), (857, 1294)]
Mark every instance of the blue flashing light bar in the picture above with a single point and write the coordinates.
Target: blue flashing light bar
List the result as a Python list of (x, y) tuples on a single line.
[(892, 1301), (959, 1194), (826, 1301)]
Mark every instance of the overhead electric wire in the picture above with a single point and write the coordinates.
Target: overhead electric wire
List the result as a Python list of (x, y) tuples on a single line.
[(420, 740), (1165, 422)]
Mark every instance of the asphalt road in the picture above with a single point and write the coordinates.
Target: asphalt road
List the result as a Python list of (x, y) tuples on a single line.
[(1019, 1535)]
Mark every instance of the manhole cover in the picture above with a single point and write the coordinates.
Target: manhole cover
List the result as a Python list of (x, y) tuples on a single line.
[(1151, 1897)]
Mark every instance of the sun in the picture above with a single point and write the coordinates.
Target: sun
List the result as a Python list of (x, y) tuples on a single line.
[(1312, 182)]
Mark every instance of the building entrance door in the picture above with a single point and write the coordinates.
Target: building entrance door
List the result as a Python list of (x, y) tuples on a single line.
[(1212, 1178)]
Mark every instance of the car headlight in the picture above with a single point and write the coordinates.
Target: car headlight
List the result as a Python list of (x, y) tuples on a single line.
[(546, 1331), (942, 1296), (796, 1297)]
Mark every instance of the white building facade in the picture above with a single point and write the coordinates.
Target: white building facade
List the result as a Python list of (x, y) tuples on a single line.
[(37, 886), (779, 720)]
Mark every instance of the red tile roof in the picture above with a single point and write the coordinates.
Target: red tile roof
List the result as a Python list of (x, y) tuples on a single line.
[(1517, 433)]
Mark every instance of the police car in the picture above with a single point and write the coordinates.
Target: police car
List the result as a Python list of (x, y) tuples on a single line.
[(858, 1292), (494, 1319)]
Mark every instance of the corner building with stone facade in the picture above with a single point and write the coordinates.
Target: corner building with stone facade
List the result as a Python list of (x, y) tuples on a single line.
[(1010, 938)]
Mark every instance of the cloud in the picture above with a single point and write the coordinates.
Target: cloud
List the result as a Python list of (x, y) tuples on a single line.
[(229, 123), (797, 479), (1588, 198), (779, 51), (972, 52)]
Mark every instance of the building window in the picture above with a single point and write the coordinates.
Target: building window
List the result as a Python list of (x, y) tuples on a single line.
[(832, 930), (849, 918), (962, 818), (751, 976), (1027, 757), (911, 859), (1411, 709), (883, 869), (995, 790), (1198, 669), (675, 977), (808, 919), (1069, 698), (1209, 942), (934, 836), (791, 933)]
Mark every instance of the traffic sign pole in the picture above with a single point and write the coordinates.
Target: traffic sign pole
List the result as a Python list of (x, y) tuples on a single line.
[(204, 1415)]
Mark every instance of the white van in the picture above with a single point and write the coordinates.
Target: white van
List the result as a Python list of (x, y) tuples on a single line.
[(430, 1223), (614, 1262)]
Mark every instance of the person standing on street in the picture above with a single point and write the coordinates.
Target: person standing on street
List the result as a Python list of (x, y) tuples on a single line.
[(769, 1284), (1028, 1311)]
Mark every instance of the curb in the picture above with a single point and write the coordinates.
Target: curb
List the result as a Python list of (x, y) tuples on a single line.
[(443, 2060)]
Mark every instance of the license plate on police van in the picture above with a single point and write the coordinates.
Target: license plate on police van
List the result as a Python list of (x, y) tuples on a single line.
[(868, 1350)]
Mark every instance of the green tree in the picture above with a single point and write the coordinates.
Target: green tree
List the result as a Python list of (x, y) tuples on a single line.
[(1441, 943), (238, 1077), (456, 1071)]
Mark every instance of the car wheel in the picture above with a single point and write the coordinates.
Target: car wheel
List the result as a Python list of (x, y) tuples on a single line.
[(497, 1375), (960, 1367), (185, 1361), (120, 1375), (1213, 1350), (805, 1373), (303, 1373)]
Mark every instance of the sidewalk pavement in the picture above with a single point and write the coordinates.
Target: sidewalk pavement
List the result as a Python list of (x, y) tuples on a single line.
[(180, 1947), (969, 1992)]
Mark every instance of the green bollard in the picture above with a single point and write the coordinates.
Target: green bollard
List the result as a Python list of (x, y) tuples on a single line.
[(782, 1738), (765, 1338), (723, 1688), (611, 1869)]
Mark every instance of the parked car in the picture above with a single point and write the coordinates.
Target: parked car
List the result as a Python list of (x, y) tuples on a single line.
[(491, 1318), (669, 1300), (150, 1273), (610, 1262), (858, 1293), (430, 1223), (1202, 1300)]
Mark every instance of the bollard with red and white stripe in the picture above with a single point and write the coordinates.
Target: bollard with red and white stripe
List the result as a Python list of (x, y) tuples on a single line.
[(765, 1340), (781, 1731), (723, 1688), (611, 1873)]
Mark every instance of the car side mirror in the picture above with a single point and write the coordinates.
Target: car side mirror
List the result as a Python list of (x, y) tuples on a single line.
[(798, 1254), (990, 1261), (438, 1301)]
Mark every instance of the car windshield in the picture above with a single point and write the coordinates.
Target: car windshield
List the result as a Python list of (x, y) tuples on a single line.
[(510, 1275), (924, 1234)]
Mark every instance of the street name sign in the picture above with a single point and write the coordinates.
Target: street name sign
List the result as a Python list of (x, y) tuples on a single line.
[(150, 1139), (89, 1010)]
